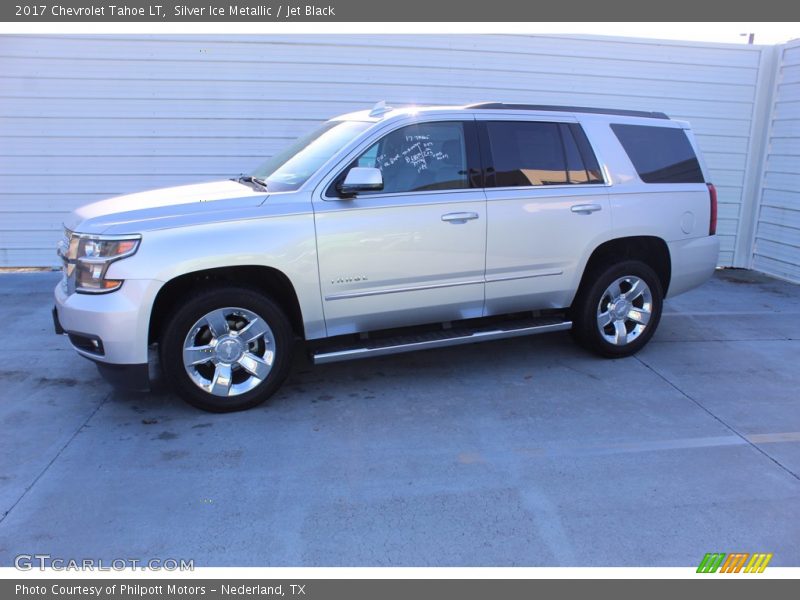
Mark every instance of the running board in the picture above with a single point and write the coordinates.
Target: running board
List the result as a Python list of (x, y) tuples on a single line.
[(438, 339)]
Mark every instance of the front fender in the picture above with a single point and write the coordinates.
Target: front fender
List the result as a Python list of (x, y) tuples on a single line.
[(286, 243)]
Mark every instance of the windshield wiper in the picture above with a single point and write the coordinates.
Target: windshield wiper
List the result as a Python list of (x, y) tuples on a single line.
[(258, 184)]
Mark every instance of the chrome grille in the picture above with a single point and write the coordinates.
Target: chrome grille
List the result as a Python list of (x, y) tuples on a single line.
[(67, 250)]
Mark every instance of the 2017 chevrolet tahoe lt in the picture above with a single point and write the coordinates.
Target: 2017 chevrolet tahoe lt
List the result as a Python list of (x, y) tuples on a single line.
[(392, 230)]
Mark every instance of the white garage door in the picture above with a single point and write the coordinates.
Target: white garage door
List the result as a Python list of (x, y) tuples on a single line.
[(82, 118), (777, 239)]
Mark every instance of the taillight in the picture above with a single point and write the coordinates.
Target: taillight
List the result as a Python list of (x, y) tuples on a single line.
[(712, 224)]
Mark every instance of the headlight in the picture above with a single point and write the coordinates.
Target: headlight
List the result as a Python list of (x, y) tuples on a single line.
[(106, 249), (87, 257)]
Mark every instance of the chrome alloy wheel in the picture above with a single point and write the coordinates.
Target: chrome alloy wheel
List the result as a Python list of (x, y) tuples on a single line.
[(624, 310), (229, 351)]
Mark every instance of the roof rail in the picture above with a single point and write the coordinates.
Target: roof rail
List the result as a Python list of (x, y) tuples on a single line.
[(581, 109)]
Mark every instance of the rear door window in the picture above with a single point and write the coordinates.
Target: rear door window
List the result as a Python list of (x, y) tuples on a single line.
[(575, 132), (660, 154), (531, 153)]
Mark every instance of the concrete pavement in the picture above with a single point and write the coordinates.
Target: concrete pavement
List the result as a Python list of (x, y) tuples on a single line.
[(519, 452)]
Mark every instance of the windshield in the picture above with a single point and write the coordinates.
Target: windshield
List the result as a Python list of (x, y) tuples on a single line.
[(291, 168)]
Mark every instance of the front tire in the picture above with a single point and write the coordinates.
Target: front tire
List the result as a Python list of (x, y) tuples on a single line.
[(618, 309), (226, 349)]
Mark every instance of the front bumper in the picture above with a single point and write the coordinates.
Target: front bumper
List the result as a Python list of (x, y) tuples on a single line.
[(57, 324), (129, 377), (118, 320), (134, 378)]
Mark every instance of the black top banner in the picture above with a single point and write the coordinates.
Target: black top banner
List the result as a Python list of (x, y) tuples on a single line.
[(404, 11)]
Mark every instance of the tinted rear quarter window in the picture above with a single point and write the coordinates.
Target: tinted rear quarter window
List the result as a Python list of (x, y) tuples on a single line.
[(660, 154)]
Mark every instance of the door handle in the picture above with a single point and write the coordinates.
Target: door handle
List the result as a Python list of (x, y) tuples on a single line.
[(586, 209), (459, 217)]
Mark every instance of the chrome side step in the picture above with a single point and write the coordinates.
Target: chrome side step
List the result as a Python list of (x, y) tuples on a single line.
[(438, 339)]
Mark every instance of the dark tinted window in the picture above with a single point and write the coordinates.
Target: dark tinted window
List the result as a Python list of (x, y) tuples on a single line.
[(526, 153), (576, 171), (420, 157), (660, 154), (534, 153), (578, 168), (593, 173)]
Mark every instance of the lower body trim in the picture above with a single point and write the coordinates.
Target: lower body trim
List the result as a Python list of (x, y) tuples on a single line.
[(439, 340)]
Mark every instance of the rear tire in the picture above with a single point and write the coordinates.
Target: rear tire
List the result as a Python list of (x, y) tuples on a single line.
[(226, 349), (617, 309)]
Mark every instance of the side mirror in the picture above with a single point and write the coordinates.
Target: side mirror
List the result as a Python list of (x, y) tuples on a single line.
[(361, 179)]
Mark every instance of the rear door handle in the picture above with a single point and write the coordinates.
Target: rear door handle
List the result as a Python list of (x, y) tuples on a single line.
[(459, 217), (586, 209)]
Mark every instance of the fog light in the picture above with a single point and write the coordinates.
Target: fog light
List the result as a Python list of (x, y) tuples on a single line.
[(88, 343)]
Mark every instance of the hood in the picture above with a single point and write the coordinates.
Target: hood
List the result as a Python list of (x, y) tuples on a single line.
[(133, 213)]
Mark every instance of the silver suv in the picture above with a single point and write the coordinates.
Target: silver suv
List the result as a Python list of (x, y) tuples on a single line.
[(391, 230)]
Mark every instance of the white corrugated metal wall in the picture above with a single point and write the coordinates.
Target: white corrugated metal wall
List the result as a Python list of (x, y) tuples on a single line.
[(85, 117), (777, 234)]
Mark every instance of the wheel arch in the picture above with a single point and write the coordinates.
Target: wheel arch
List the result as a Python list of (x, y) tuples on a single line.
[(651, 250), (272, 282)]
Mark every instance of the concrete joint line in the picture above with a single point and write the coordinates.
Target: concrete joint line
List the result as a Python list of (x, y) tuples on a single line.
[(53, 460), (750, 440)]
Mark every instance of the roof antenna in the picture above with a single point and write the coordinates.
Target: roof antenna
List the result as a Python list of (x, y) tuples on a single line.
[(379, 109)]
